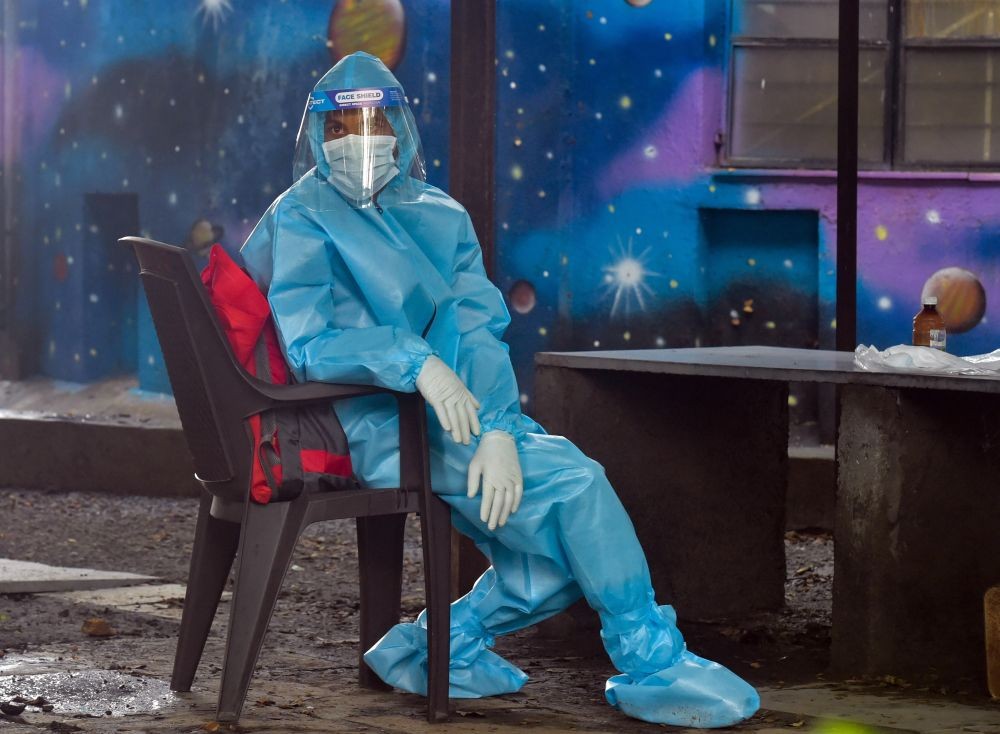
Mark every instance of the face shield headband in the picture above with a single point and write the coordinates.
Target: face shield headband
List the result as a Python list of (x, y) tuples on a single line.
[(349, 99)]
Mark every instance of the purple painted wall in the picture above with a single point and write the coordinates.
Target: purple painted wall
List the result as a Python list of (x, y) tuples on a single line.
[(609, 185)]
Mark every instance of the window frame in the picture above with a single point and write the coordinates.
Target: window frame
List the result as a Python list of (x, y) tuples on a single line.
[(895, 45)]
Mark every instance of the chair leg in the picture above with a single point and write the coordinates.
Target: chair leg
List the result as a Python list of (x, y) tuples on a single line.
[(266, 545), (215, 544), (380, 569), (435, 525)]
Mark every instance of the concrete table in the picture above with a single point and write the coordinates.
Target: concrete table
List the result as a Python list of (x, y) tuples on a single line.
[(695, 443)]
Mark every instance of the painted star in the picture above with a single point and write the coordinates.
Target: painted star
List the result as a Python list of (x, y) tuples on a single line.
[(214, 10), (626, 278)]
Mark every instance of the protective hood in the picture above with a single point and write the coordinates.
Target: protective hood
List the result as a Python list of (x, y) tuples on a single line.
[(358, 137)]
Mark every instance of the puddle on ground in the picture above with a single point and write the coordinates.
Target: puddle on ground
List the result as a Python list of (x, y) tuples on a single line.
[(30, 664), (88, 692)]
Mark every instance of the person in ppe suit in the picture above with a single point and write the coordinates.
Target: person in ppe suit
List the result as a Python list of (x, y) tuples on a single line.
[(376, 277)]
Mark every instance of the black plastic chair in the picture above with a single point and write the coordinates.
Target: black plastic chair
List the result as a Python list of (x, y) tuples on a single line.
[(215, 396)]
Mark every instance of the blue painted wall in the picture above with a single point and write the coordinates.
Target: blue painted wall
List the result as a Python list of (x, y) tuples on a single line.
[(193, 112), (616, 225)]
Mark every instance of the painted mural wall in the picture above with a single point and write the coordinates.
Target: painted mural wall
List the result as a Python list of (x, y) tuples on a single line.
[(616, 225), (620, 228), (176, 120)]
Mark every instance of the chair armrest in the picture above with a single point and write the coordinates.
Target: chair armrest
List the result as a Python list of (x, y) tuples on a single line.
[(310, 392)]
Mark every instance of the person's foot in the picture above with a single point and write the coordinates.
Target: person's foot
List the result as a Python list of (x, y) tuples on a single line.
[(692, 692), (475, 671), (663, 682)]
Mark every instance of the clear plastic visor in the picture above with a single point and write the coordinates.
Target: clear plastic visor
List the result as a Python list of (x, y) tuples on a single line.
[(361, 149)]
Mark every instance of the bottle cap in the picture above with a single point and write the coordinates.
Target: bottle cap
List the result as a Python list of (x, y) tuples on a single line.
[(930, 300)]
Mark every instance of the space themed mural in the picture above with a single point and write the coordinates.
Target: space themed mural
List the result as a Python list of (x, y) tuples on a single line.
[(182, 118), (618, 223)]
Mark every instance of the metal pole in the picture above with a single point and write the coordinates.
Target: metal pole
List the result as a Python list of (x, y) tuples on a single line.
[(847, 176), (473, 115), (10, 363), (471, 175)]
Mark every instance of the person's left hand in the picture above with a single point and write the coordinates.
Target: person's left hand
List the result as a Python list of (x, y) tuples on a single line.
[(496, 464)]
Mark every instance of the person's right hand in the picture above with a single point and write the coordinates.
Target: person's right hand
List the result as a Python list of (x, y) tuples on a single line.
[(496, 466), (455, 406)]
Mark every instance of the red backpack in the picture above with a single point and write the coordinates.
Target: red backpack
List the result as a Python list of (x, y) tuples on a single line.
[(295, 449)]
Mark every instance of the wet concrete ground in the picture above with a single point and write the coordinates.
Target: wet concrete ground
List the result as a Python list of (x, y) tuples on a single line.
[(306, 675), (114, 401)]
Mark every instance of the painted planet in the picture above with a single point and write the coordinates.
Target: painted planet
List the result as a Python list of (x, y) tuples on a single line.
[(522, 297), (961, 298), (201, 234), (375, 26), (60, 267), (638, 3)]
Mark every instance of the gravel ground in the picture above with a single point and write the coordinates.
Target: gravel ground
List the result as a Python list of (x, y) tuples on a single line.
[(317, 612)]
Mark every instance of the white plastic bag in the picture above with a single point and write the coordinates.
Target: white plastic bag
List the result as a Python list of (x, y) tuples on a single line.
[(905, 358)]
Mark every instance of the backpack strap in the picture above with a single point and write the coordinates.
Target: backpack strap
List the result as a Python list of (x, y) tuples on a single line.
[(290, 441), (267, 454), (261, 361)]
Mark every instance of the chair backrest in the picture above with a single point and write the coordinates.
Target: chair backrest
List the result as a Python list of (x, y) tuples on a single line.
[(210, 388)]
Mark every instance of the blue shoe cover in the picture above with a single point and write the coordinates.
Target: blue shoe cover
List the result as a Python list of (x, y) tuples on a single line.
[(692, 692), (400, 659), (662, 681)]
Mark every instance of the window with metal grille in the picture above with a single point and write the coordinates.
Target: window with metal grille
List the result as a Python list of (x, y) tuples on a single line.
[(929, 83)]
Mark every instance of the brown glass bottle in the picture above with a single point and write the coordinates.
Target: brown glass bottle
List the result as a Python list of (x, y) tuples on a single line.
[(928, 326)]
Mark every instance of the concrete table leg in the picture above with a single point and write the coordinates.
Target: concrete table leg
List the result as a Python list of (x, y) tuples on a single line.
[(917, 533), (700, 464)]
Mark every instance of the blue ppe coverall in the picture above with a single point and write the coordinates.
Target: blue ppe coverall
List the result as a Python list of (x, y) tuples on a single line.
[(364, 296)]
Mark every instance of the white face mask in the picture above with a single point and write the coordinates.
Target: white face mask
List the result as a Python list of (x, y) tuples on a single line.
[(361, 165)]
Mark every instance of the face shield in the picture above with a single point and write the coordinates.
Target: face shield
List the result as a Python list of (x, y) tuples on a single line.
[(362, 142)]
